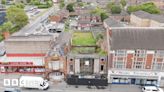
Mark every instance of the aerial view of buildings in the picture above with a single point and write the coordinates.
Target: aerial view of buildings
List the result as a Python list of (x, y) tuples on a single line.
[(81, 45)]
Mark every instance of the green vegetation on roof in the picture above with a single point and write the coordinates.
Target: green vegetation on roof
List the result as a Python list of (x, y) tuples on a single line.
[(149, 7), (83, 39)]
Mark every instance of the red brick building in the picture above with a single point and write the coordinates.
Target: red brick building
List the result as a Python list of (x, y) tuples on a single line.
[(136, 49), (88, 21)]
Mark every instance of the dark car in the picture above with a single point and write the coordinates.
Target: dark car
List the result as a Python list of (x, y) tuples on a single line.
[(11, 90)]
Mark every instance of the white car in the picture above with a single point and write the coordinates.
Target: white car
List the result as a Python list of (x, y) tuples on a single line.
[(151, 89)]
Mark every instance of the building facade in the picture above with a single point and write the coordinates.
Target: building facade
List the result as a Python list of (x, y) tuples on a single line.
[(136, 51), (26, 54)]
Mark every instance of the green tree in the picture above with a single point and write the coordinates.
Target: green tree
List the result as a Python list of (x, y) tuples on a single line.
[(97, 11), (20, 5), (17, 16), (3, 1), (7, 26), (116, 9), (103, 16), (147, 7), (70, 7), (35, 2), (109, 5), (123, 3)]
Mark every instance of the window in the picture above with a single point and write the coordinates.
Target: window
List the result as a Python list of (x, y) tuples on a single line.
[(71, 67), (119, 64), (159, 53), (157, 65), (120, 53), (138, 65), (102, 67), (140, 53)]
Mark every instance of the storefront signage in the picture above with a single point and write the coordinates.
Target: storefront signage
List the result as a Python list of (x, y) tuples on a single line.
[(16, 63)]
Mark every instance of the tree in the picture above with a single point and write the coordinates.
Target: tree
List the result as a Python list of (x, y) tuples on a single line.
[(6, 27), (20, 5), (147, 7), (109, 5), (123, 3), (3, 1), (70, 7), (116, 9), (103, 16), (17, 16)]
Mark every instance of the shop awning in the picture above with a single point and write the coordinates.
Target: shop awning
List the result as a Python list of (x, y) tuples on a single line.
[(22, 61)]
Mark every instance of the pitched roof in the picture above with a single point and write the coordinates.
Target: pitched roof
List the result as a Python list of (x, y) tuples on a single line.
[(137, 38), (143, 14), (113, 23)]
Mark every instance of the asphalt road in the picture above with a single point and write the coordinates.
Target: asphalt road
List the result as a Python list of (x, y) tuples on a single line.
[(33, 25), (63, 87)]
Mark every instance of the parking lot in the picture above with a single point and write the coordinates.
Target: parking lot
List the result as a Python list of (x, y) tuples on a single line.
[(63, 87)]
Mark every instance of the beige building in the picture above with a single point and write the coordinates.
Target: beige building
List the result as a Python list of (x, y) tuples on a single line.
[(26, 54), (144, 19), (29, 44)]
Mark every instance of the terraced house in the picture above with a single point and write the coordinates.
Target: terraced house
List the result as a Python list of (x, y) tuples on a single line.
[(136, 56)]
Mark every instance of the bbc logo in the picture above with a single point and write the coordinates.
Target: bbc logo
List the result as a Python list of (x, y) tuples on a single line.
[(11, 82)]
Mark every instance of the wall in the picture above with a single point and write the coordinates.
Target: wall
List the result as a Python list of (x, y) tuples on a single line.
[(154, 23), (136, 21)]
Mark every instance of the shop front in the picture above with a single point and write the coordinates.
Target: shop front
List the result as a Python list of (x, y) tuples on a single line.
[(133, 77), (22, 65)]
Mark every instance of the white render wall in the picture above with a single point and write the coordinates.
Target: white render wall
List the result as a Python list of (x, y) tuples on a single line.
[(96, 65)]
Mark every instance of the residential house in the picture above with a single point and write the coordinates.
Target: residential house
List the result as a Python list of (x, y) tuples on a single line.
[(111, 22), (26, 54), (136, 56), (60, 16), (88, 21), (82, 10), (122, 17), (144, 19)]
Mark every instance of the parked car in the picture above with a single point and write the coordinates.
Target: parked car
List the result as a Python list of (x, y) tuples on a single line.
[(151, 89), (11, 90)]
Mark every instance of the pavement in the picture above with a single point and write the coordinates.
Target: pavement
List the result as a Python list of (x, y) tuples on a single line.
[(63, 87)]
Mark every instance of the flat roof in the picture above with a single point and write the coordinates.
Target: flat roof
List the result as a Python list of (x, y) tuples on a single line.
[(30, 38)]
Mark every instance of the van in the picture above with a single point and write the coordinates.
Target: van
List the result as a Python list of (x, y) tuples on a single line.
[(151, 89), (33, 82)]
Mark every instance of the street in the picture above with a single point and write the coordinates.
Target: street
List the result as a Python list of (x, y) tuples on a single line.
[(63, 87), (33, 25)]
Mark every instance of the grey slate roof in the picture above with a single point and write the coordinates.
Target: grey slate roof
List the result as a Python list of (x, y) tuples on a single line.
[(113, 23), (156, 17), (137, 38)]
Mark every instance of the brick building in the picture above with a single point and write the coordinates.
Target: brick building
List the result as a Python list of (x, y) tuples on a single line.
[(136, 51), (84, 65), (88, 21)]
